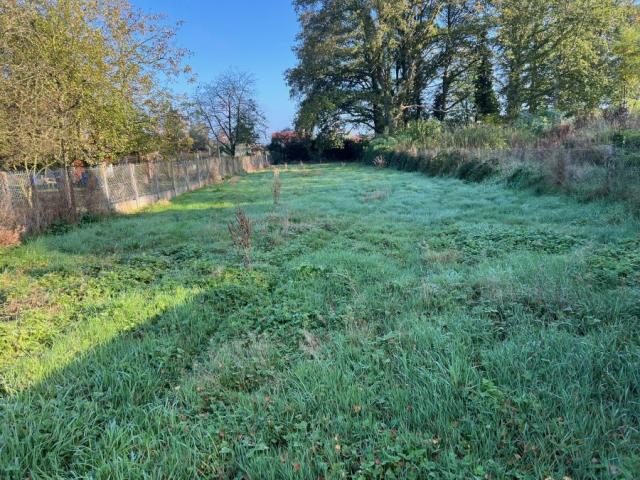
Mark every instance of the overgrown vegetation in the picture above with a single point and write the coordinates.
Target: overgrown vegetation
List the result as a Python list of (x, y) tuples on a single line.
[(591, 159), (288, 146), (462, 87), (391, 325)]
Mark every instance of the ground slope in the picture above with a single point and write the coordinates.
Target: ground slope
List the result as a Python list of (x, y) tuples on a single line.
[(389, 325)]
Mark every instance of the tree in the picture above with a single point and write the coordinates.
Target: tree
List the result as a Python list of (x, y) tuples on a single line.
[(459, 23), (555, 53), (199, 132), (173, 135), (79, 80), (486, 102), (379, 64), (229, 108), (362, 62), (626, 62)]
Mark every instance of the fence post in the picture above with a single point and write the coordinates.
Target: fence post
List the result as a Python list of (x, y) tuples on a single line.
[(4, 188), (71, 197), (33, 201), (209, 166), (186, 176), (105, 185), (134, 184), (207, 171), (173, 179), (155, 179), (198, 169)]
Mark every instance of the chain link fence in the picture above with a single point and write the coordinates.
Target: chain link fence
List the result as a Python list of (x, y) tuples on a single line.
[(29, 203)]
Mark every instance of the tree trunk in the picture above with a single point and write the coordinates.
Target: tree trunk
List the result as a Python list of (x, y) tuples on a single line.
[(378, 120), (514, 91), (440, 106), (68, 184), (533, 94)]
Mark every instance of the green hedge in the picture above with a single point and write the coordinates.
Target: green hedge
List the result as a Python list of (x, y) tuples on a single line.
[(453, 163)]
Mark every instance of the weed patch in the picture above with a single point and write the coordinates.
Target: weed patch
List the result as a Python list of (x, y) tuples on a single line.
[(489, 241)]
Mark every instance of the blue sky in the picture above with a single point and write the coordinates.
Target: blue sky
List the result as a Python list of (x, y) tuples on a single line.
[(249, 35)]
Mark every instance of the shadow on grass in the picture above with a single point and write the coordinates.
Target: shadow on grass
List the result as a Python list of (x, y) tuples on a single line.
[(111, 411)]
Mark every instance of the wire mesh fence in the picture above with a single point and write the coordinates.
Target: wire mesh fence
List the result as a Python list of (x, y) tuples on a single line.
[(32, 202)]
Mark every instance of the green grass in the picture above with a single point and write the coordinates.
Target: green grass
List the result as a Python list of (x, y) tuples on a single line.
[(391, 325)]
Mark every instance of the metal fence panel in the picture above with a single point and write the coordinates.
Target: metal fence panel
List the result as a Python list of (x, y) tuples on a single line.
[(33, 202)]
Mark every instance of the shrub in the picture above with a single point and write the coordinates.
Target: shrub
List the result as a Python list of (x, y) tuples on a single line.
[(628, 139), (382, 145), (289, 146), (524, 176), (434, 135), (557, 135), (11, 229), (10, 236), (538, 124), (348, 150), (446, 162), (423, 133), (475, 170), (379, 162)]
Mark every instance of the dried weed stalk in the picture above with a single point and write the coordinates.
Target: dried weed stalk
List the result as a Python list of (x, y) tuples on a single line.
[(240, 231), (277, 186)]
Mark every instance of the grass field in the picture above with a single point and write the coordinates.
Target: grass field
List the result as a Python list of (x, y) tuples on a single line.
[(388, 325)]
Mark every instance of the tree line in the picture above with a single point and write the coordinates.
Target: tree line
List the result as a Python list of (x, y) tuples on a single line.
[(89, 81), (380, 64)]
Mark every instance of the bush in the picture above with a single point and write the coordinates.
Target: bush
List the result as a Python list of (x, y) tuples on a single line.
[(475, 170), (538, 124), (628, 139), (291, 147), (446, 162), (434, 135), (350, 150), (525, 177), (424, 133)]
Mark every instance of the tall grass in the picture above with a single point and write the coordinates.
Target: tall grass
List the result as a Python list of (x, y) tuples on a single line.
[(591, 159)]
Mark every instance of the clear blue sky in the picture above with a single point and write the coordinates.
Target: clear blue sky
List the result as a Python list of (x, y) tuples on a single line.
[(249, 35)]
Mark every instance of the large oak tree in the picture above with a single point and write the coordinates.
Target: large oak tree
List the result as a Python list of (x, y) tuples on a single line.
[(379, 64)]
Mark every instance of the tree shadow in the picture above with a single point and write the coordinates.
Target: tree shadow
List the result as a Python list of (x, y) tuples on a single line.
[(114, 408)]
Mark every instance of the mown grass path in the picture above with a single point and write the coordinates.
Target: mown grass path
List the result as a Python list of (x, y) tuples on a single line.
[(391, 325)]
